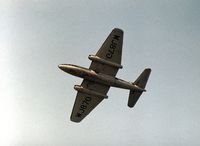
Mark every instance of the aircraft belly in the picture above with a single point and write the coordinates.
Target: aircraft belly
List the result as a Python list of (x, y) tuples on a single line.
[(122, 84), (110, 81)]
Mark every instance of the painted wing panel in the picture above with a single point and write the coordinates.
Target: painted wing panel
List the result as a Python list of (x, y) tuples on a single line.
[(85, 103), (111, 50)]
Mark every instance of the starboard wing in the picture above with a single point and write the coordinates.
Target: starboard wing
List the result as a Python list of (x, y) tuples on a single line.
[(111, 51), (85, 103)]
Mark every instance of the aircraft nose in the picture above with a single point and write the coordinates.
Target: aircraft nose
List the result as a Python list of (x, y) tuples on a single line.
[(61, 66)]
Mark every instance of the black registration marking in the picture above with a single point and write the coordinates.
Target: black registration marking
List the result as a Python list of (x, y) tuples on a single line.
[(78, 115), (84, 106), (116, 37), (113, 46)]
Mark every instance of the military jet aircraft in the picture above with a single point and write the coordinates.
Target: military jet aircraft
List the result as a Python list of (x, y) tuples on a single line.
[(100, 76)]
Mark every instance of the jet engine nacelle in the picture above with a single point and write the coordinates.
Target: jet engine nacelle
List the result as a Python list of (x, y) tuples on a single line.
[(80, 88), (103, 61)]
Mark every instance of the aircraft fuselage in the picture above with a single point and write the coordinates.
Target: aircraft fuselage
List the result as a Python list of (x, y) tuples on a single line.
[(91, 75)]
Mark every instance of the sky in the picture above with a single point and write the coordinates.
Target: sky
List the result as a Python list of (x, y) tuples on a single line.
[(36, 98)]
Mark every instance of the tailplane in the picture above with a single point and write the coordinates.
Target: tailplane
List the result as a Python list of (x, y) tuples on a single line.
[(140, 82)]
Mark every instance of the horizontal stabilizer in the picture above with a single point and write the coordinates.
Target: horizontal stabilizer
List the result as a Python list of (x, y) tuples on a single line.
[(140, 82), (133, 98), (143, 78)]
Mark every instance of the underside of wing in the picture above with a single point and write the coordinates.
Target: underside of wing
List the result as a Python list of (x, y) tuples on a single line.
[(110, 51), (83, 105), (86, 101)]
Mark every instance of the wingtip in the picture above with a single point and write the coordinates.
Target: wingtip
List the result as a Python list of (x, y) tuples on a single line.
[(118, 29), (75, 119), (148, 69)]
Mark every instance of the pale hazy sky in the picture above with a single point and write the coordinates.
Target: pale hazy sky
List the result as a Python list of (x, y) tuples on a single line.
[(36, 98)]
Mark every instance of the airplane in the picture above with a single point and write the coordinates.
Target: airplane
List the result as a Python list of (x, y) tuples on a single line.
[(100, 76)]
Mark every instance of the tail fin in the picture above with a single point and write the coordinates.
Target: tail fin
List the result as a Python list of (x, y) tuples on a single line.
[(141, 82)]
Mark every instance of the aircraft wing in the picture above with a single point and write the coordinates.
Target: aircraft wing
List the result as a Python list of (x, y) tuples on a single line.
[(111, 51), (84, 102)]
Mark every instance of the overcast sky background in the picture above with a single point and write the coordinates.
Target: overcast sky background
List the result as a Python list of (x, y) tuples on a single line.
[(36, 98)]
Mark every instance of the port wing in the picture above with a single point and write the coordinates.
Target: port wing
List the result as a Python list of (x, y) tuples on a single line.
[(111, 51), (86, 102)]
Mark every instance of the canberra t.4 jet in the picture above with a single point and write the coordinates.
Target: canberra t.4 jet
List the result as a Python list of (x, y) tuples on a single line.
[(100, 76)]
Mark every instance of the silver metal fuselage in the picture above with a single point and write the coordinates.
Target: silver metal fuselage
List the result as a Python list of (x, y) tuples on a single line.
[(91, 75)]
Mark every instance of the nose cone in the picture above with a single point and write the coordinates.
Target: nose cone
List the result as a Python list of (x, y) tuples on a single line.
[(62, 66)]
